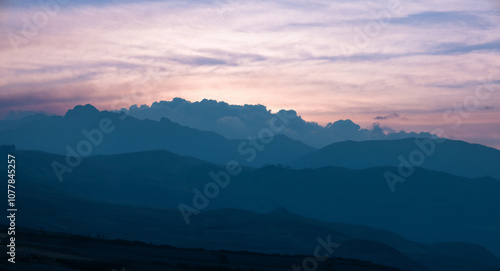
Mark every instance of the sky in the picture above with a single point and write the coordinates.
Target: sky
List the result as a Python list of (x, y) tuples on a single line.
[(413, 65)]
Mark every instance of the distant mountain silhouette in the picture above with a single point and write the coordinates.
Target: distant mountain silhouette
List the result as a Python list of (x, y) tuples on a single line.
[(82, 112), (455, 157), (83, 123), (429, 206), (9, 124)]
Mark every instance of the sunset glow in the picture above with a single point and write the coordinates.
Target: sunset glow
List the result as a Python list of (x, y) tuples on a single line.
[(403, 64)]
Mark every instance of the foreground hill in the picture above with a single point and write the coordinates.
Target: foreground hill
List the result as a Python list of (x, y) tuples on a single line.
[(455, 157), (60, 251)]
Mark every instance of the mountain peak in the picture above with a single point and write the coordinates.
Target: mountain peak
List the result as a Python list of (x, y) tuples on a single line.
[(80, 110)]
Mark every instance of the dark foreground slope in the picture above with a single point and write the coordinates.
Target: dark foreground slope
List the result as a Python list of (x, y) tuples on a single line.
[(40, 250)]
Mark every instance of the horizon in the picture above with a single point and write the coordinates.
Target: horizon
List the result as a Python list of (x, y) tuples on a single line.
[(15, 115)]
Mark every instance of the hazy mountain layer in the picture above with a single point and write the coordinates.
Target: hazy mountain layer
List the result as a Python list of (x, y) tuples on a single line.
[(230, 229), (429, 206), (85, 131), (455, 157)]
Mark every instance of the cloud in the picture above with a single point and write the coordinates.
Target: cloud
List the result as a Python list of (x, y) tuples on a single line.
[(440, 19), (201, 61), (390, 116), (462, 48), (242, 121)]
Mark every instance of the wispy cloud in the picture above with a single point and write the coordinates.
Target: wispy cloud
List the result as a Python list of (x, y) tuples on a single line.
[(390, 116)]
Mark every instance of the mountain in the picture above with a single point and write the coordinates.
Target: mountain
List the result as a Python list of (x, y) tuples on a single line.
[(455, 157), (429, 206), (85, 131), (9, 124), (236, 230)]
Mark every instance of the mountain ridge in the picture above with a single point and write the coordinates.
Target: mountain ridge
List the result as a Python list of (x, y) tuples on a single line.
[(104, 132), (452, 156)]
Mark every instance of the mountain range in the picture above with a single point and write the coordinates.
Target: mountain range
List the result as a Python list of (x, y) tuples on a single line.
[(62, 135), (278, 231), (422, 203), (56, 134), (452, 156), (430, 207), (241, 121)]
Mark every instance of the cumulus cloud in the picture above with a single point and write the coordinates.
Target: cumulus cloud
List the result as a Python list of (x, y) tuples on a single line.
[(242, 121)]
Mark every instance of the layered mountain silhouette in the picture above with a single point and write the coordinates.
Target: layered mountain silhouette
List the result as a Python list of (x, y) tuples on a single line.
[(278, 231), (241, 121), (110, 174), (430, 206), (56, 134)]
